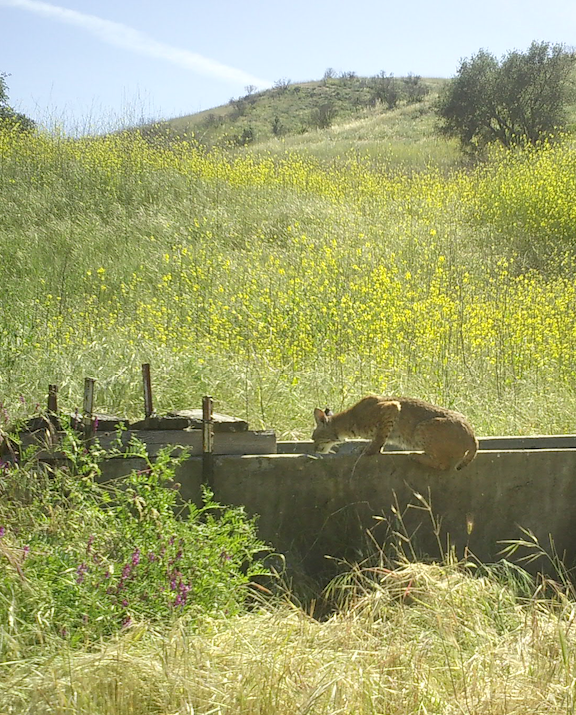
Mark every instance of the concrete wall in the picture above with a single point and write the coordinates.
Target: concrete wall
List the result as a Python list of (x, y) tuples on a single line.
[(311, 506)]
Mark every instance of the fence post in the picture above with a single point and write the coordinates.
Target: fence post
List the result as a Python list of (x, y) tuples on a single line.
[(88, 408), (52, 420), (207, 440), (147, 385), (52, 400)]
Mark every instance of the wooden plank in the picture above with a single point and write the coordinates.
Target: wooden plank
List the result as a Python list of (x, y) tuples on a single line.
[(191, 419), (250, 442), (237, 443)]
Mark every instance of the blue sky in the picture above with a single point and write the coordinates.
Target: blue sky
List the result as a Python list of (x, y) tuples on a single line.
[(89, 63)]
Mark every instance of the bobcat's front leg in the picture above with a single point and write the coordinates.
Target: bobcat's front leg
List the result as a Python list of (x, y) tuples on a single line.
[(375, 446), (389, 413)]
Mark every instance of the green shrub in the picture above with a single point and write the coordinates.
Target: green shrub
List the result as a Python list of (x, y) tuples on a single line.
[(82, 560)]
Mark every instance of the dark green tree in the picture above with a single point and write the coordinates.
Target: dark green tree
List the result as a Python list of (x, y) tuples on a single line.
[(9, 119), (521, 98), (385, 90)]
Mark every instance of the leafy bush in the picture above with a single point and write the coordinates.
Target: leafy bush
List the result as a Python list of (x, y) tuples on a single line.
[(9, 118), (83, 560), (522, 98)]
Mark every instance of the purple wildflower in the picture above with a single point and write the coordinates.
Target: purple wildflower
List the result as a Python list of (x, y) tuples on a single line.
[(2, 528), (25, 551), (126, 572), (225, 556), (89, 544), (126, 622), (80, 572), (136, 557), (124, 602), (178, 555), (151, 556)]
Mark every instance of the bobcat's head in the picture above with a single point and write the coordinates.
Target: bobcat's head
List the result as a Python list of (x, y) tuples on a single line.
[(324, 436)]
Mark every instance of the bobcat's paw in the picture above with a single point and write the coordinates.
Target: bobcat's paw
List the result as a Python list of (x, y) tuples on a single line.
[(371, 451)]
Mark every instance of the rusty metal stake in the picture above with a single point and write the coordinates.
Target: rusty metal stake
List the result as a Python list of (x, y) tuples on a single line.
[(147, 385), (88, 408), (207, 440)]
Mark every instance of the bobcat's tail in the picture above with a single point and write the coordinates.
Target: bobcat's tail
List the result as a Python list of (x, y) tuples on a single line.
[(470, 454)]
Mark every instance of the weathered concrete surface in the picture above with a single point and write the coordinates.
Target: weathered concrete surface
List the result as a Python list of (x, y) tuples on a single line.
[(311, 506), (554, 441)]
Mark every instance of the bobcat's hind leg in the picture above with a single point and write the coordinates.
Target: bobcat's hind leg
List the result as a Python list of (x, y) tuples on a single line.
[(439, 443)]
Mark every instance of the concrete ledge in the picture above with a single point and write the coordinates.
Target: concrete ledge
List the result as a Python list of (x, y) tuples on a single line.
[(557, 441), (312, 506)]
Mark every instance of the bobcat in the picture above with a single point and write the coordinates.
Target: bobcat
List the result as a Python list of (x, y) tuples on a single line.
[(445, 437)]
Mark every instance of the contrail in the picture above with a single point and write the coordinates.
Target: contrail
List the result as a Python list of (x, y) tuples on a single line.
[(115, 33)]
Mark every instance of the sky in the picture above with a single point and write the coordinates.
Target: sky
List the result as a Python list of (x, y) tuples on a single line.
[(90, 65)]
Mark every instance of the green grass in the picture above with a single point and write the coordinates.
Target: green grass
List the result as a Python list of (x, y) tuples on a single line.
[(82, 559)]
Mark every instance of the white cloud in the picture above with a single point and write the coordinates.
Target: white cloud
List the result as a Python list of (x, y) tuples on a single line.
[(115, 33)]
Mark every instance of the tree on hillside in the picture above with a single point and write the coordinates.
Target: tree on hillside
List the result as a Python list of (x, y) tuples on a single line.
[(385, 90), (414, 89), (522, 98), (9, 119)]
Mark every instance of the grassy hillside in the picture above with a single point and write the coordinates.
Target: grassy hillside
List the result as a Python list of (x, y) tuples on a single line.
[(278, 282), (300, 110)]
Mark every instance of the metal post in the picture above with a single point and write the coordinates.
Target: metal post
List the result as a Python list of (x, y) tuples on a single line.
[(88, 407), (147, 385), (207, 440)]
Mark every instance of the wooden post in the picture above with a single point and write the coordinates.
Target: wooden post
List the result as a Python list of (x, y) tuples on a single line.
[(52, 421), (52, 400), (88, 408), (147, 385), (207, 440)]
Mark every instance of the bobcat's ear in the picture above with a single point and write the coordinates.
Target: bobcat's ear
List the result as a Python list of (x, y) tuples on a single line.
[(320, 416)]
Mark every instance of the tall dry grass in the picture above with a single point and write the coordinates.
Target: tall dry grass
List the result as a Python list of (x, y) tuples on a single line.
[(418, 639)]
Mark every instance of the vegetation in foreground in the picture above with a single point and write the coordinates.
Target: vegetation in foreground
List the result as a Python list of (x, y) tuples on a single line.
[(113, 602), (416, 639), (83, 559)]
